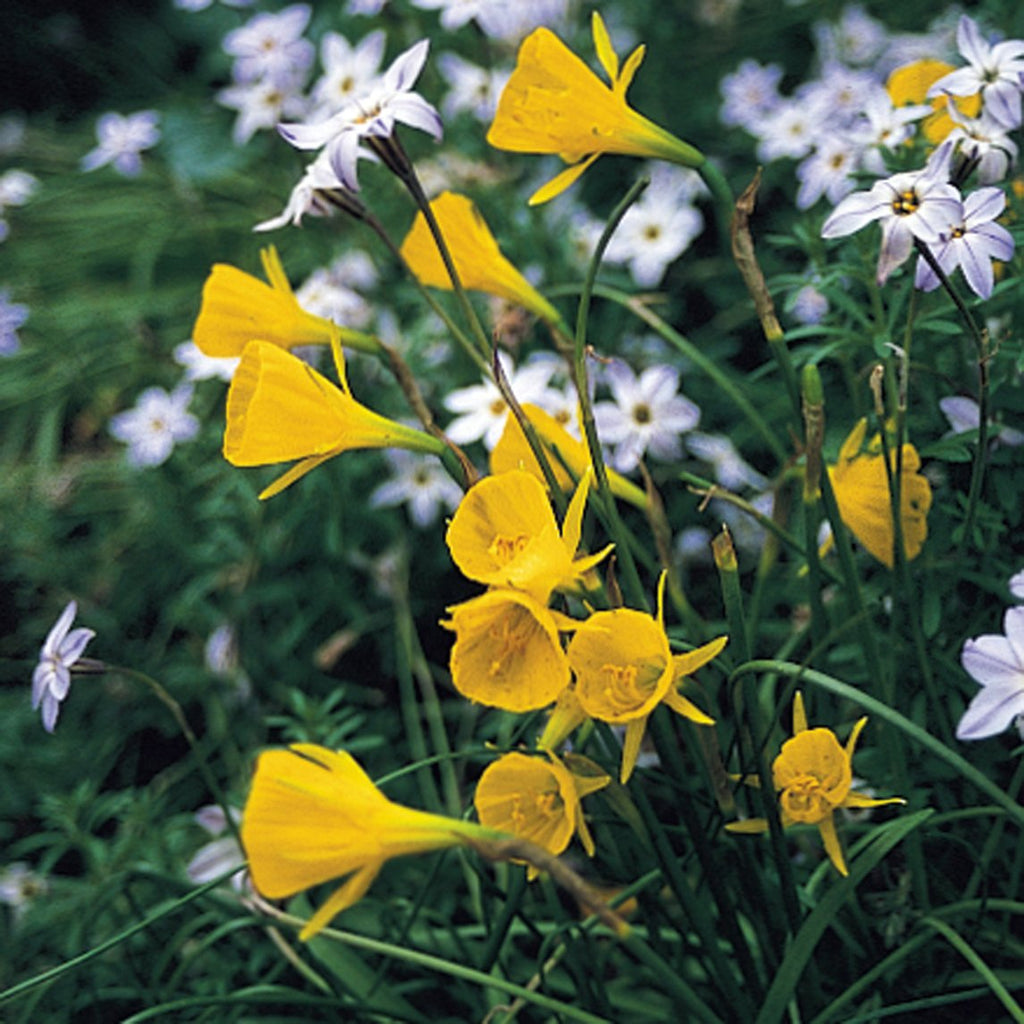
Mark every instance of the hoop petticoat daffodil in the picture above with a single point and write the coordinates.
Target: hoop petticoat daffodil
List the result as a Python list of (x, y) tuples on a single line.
[(813, 775), (313, 814), (479, 262), (566, 455), (507, 652), (280, 409), (504, 534), (238, 308), (538, 799), (861, 485), (554, 103), (624, 668)]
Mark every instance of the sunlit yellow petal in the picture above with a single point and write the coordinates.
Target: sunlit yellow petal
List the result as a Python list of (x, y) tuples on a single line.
[(280, 409), (827, 828), (478, 261), (861, 487), (566, 455), (553, 103), (507, 652)]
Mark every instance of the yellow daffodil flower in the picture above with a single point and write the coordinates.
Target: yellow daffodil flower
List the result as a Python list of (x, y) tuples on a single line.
[(861, 487), (238, 308), (624, 669), (813, 775), (554, 103), (910, 84), (507, 653), (313, 814), (280, 409), (478, 260), (504, 534), (565, 455), (538, 799)]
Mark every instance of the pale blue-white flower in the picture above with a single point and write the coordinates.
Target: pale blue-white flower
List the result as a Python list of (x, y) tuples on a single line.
[(731, 470), (223, 853), (12, 316), (260, 105), (996, 662), (749, 94), (199, 366), (419, 482), (912, 204), (971, 242), (51, 680), (985, 140), (158, 422), (993, 70), (372, 115), (16, 188), (964, 414), (349, 71), (647, 415), (121, 140), (270, 47), (1016, 585), (660, 226)]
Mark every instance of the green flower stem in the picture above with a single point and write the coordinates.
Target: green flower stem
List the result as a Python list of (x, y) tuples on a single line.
[(53, 973), (721, 193), (465, 343), (631, 578), (912, 731), (980, 336), (750, 270), (956, 940), (412, 183), (994, 837), (190, 737), (697, 912), (695, 356)]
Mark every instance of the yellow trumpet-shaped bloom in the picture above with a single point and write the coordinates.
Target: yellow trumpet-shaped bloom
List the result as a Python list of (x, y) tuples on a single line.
[(238, 308), (910, 84), (861, 485), (813, 775), (554, 103), (565, 455), (507, 653), (624, 669), (313, 814), (478, 261), (538, 799), (504, 534), (280, 409)]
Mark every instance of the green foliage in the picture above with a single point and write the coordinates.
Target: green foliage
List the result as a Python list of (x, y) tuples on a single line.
[(335, 604)]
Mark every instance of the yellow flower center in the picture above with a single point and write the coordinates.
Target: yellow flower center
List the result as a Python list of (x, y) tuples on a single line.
[(504, 549), (511, 635), (906, 203), (642, 413), (626, 686), (806, 799)]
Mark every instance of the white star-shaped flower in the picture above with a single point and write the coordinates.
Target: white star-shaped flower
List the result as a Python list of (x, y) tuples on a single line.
[(51, 680)]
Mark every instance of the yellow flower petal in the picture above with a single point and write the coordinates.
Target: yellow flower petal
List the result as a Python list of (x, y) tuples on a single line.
[(861, 487), (622, 663), (478, 260), (507, 652), (504, 534), (910, 84), (280, 409), (814, 774), (554, 103), (569, 459), (827, 828), (238, 308)]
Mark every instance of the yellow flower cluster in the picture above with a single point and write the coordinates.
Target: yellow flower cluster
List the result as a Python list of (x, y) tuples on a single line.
[(508, 651), (279, 408)]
